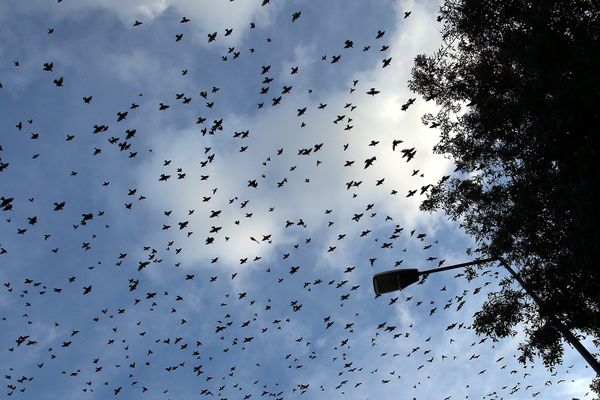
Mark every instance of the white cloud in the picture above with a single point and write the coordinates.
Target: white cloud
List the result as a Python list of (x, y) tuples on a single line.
[(576, 387), (205, 16), (375, 118)]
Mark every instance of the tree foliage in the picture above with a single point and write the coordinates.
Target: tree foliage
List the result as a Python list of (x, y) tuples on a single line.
[(518, 93)]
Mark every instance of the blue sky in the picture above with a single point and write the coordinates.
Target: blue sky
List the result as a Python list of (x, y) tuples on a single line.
[(251, 235)]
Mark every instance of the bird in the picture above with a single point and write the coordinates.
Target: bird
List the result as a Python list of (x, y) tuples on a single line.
[(408, 103), (370, 161)]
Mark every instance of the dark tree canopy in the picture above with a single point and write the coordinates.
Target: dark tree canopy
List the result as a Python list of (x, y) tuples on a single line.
[(517, 83)]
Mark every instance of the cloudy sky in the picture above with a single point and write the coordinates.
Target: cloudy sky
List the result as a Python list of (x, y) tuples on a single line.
[(196, 217)]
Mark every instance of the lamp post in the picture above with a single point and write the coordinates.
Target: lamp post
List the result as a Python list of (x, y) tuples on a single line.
[(399, 279)]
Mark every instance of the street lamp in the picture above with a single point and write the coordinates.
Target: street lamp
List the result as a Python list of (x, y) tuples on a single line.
[(398, 279), (390, 281)]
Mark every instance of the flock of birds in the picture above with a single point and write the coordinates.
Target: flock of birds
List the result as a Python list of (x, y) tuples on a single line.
[(141, 323)]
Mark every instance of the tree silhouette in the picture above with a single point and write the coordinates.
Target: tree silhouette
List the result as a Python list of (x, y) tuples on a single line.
[(517, 87)]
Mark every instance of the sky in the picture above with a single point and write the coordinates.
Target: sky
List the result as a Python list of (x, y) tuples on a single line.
[(196, 218)]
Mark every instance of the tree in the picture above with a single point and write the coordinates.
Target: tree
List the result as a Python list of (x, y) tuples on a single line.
[(517, 87)]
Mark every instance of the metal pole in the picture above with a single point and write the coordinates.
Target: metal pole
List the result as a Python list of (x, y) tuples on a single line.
[(556, 324), (559, 326), (461, 265)]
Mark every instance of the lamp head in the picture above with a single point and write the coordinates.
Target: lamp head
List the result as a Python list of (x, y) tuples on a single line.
[(393, 280)]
